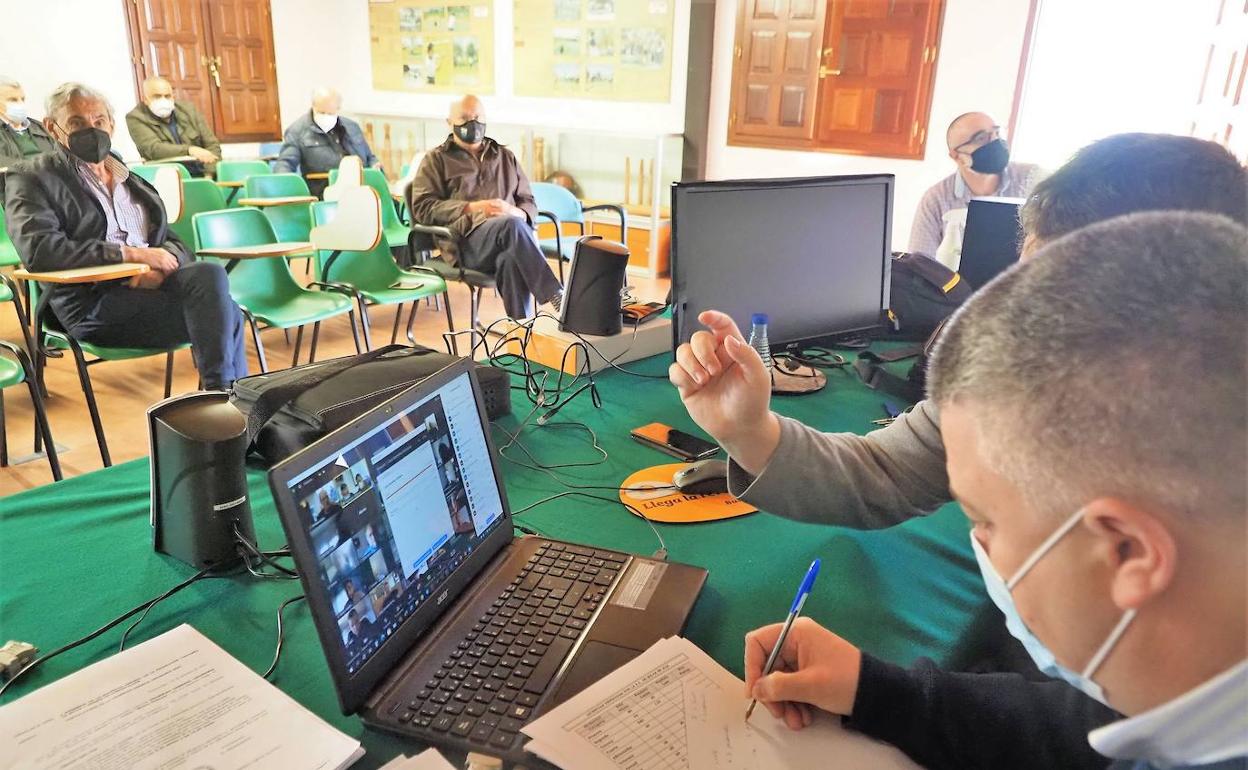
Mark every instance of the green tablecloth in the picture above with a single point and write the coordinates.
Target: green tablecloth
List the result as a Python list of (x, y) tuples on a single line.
[(75, 555)]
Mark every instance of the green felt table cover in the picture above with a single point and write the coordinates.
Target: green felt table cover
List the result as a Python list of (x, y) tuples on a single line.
[(76, 554)]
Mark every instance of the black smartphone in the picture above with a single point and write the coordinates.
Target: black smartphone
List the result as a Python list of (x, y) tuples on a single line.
[(674, 442)]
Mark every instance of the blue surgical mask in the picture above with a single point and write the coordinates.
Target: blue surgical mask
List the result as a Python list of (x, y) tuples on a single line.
[(999, 591)]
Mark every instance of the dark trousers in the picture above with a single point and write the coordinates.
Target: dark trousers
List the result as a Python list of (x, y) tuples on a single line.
[(192, 305), (507, 247)]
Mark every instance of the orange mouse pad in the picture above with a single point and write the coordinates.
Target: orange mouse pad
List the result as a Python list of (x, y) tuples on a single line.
[(671, 507)]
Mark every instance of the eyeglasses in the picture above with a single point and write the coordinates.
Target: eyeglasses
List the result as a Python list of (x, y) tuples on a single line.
[(979, 139)]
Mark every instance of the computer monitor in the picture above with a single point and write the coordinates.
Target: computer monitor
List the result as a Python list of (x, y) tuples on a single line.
[(992, 240), (812, 253)]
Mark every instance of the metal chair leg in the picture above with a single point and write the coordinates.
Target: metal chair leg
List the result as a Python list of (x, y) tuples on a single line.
[(450, 322), (398, 316), (411, 322), (81, 363), (474, 293), (169, 374), (40, 362), (255, 338), (316, 333), (355, 332), (298, 344), (4, 436), (43, 430), (364, 322)]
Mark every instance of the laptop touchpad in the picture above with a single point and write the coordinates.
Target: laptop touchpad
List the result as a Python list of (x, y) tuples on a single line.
[(596, 660)]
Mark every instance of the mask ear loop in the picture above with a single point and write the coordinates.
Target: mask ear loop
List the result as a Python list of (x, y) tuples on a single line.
[(1109, 644), (1044, 548)]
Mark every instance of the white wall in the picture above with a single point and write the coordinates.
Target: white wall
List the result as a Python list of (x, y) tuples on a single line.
[(980, 46)]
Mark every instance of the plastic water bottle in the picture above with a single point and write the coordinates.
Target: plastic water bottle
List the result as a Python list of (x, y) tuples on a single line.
[(758, 339)]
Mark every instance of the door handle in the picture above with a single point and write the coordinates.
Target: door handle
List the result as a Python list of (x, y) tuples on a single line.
[(213, 64), (825, 72)]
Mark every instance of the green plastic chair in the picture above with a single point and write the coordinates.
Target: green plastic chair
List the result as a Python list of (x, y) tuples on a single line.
[(275, 186), (9, 258), (54, 341), (557, 204), (264, 288), (198, 196), (14, 371), (393, 230), (373, 278), (239, 170), (148, 170)]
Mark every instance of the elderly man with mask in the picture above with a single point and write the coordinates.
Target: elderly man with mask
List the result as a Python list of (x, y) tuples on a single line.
[(318, 140), (1108, 511), (983, 168), (82, 208), (20, 137), (164, 128), (474, 186)]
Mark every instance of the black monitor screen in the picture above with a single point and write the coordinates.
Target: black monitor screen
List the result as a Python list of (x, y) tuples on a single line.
[(813, 254), (391, 515)]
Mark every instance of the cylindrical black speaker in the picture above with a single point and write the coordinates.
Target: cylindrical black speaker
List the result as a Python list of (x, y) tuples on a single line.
[(591, 300), (199, 481)]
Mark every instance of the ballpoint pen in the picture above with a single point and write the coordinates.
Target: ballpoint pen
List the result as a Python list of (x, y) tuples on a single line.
[(803, 591)]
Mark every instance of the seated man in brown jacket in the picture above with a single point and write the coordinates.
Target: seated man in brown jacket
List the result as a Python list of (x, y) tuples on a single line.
[(474, 186)]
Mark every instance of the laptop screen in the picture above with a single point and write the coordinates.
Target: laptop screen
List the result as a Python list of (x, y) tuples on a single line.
[(391, 514)]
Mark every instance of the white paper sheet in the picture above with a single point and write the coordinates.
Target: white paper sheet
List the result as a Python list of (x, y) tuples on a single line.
[(175, 701), (674, 708), (429, 759)]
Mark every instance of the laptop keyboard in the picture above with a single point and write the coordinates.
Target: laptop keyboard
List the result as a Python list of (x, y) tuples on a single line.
[(487, 689)]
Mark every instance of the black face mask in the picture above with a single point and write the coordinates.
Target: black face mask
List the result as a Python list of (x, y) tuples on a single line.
[(90, 144), (991, 158), (471, 132)]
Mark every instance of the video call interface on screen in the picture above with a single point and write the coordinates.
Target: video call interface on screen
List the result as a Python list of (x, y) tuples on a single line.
[(394, 513)]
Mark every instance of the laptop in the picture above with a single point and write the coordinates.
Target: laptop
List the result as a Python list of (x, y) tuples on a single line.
[(992, 240), (436, 621)]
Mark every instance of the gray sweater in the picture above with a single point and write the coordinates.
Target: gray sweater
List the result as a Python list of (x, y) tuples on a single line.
[(864, 482)]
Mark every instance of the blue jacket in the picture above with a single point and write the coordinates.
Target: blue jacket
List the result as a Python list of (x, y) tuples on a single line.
[(307, 149)]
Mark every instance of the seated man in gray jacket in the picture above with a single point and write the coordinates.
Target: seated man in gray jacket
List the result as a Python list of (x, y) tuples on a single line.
[(898, 472), (320, 139)]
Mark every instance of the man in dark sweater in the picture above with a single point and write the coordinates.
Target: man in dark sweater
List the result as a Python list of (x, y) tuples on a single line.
[(20, 137), (1093, 413)]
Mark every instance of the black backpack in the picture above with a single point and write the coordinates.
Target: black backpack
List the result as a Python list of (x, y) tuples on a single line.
[(923, 294)]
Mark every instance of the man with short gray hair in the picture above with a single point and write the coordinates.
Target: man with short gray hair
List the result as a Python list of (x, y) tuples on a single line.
[(164, 128), (83, 208), (20, 137), (1093, 407), (320, 138)]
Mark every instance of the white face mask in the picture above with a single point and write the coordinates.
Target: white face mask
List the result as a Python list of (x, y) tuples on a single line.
[(16, 112), (324, 120), (161, 108), (999, 591)]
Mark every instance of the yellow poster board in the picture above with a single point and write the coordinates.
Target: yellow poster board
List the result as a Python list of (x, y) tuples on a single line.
[(594, 49), (432, 47)]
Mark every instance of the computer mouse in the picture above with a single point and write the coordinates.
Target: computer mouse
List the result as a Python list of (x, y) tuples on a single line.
[(705, 477)]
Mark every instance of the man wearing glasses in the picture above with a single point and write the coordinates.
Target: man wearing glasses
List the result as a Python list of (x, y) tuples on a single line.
[(984, 168)]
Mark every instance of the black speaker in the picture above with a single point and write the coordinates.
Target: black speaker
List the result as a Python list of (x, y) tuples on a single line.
[(199, 483), (591, 300)]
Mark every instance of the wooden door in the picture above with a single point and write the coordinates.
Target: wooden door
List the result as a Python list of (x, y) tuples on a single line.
[(876, 76), (1221, 112), (215, 53), (245, 80), (775, 69), (167, 38)]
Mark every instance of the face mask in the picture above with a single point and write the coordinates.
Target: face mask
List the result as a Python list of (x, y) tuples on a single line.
[(16, 112), (999, 591), (991, 158), (471, 132), (326, 122), (90, 144), (161, 108)]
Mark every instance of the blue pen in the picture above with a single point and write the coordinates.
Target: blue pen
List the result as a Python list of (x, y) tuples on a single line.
[(803, 591)]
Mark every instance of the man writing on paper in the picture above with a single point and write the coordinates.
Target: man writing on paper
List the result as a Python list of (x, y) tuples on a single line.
[(83, 208), (474, 186), (1093, 410)]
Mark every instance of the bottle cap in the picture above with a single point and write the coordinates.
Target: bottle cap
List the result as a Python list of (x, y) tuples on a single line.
[(759, 318)]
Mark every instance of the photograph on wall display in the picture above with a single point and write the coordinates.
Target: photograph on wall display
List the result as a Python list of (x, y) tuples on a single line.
[(601, 10), (567, 10), (409, 19), (567, 42), (642, 47), (600, 42), (457, 18), (600, 74), (465, 54), (424, 45), (568, 74)]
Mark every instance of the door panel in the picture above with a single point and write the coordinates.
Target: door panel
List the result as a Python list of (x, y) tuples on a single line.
[(775, 68), (242, 37), (167, 38)]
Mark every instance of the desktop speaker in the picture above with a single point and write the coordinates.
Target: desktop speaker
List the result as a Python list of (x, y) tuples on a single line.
[(199, 483), (591, 300)]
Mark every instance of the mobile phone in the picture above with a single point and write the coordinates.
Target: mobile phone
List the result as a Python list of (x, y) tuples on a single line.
[(674, 442)]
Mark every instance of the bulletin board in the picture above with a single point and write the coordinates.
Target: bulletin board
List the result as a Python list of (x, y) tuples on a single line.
[(425, 46), (594, 49)]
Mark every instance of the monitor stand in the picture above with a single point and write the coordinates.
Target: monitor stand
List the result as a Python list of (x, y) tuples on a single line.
[(789, 378)]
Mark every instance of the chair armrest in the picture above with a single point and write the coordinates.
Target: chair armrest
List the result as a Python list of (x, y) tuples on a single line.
[(619, 210), (22, 357), (93, 274), (551, 216), (437, 231)]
